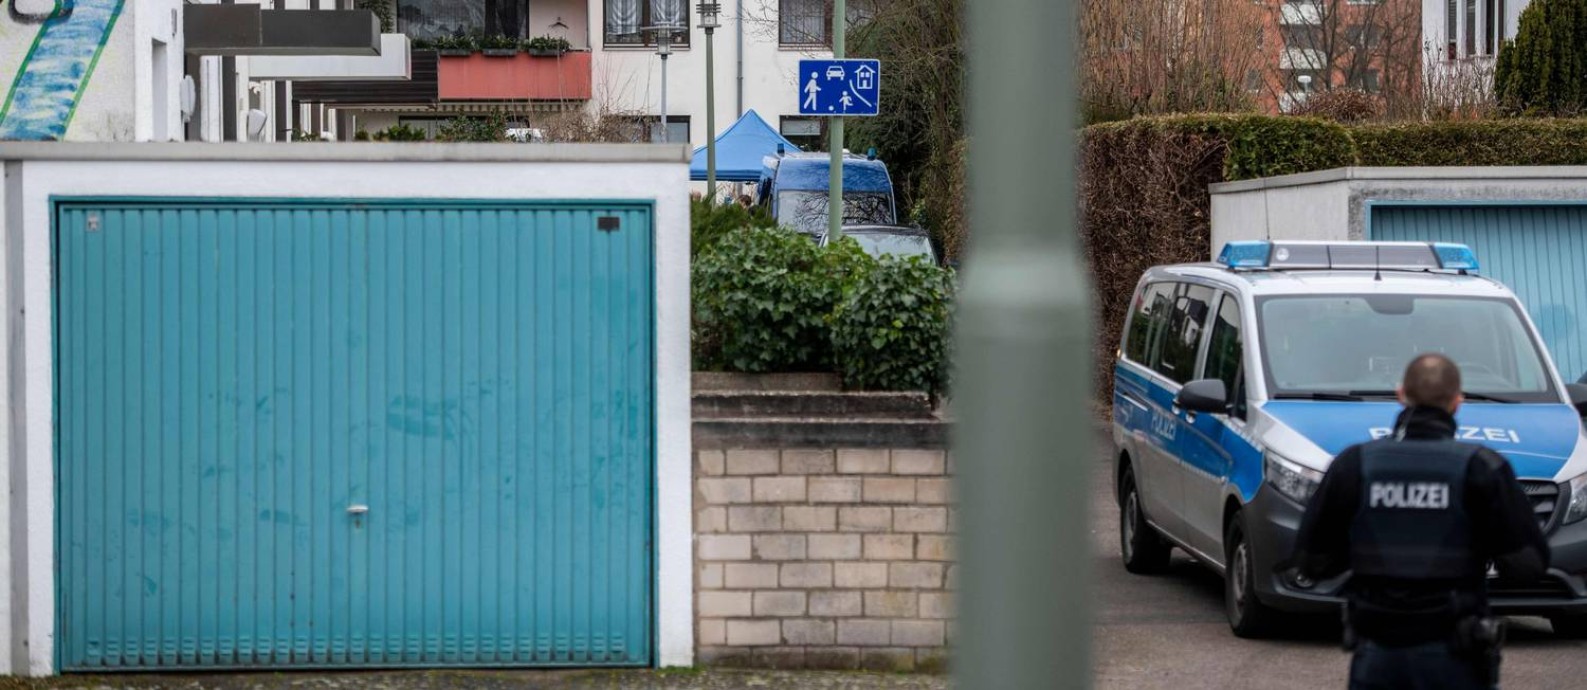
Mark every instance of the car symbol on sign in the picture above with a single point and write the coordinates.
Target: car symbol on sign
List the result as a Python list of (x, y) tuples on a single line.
[(835, 72)]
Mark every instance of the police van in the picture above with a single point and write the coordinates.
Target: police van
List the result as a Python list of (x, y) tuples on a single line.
[(1238, 381)]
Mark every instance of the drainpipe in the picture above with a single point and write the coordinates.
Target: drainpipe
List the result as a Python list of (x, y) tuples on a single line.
[(740, 55)]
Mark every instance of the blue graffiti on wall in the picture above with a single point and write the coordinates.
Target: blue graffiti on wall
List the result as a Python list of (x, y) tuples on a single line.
[(46, 89)]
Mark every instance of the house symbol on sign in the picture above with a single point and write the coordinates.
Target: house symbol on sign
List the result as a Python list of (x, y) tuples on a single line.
[(865, 78)]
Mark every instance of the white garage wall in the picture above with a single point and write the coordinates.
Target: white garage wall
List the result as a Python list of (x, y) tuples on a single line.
[(35, 173)]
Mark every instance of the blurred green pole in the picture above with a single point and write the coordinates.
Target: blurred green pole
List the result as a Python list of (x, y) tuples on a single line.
[(1024, 436), (835, 179)]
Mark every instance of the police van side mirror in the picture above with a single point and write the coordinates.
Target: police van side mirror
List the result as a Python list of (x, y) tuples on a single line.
[(1578, 397), (1205, 395)]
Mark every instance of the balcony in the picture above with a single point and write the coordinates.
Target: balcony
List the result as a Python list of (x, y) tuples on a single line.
[(519, 77)]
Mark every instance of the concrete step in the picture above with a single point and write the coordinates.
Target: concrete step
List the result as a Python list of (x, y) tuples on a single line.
[(803, 432), (724, 381), (753, 404)]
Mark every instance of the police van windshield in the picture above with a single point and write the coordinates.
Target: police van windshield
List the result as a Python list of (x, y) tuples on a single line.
[(1358, 345), (806, 211)]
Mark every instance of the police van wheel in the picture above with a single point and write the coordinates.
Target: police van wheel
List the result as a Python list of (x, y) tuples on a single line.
[(1569, 627), (1145, 552), (1248, 616)]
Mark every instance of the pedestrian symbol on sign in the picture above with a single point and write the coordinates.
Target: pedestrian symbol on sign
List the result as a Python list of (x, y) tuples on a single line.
[(811, 89)]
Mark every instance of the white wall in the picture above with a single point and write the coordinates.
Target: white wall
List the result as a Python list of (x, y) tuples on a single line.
[(1332, 204), (403, 171), (157, 21), (1305, 212)]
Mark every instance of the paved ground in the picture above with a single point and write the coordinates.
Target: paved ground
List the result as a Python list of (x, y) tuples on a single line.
[(1151, 632), (1169, 632), (500, 680)]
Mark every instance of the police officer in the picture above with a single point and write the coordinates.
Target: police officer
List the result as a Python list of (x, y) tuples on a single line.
[(1418, 517)]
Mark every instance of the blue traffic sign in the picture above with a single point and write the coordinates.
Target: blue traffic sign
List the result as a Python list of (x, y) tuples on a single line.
[(837, 88)]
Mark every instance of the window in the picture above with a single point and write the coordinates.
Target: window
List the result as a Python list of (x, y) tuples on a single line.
[(1493, 26), (431, 19), (1471, 27), (807, 133), (1359, 344), (1182, 334), (648, 129), (627, 19), (1366, 80), (1224, 353), (809, 22), (1253, 80), (1363, 37), (1302, 36), (804, 22), (1151, 311), (1451, 26), (677, 129)]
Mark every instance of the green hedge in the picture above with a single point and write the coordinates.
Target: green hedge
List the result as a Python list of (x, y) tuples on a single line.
[(1481, 142)]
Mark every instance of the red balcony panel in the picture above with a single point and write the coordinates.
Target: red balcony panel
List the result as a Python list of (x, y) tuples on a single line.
[(520, 77)]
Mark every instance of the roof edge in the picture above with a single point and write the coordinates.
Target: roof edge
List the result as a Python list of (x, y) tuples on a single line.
[(1486, 173), (346, 152)]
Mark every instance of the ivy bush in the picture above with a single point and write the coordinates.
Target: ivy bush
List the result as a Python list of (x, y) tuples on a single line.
[(710, 222), (763, 297), (892, 330)]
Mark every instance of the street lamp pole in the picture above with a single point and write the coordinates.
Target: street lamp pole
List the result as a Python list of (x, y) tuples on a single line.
[(709, 12), (663, 34), (835, 181)]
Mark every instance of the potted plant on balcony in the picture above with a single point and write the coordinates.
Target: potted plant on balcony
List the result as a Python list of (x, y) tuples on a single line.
[(456, 46), (499, 46), (546, 46)]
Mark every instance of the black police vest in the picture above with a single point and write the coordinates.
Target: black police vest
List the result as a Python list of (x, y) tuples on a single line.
[(1412, 522)]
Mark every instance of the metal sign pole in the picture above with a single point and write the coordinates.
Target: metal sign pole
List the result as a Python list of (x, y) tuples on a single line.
[(1023, 384), (835, 181)]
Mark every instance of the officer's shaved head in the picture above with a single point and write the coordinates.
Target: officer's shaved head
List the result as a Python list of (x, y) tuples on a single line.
[(1432, 380)]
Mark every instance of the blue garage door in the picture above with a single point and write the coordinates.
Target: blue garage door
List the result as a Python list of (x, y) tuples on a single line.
[(353, 435), (1540, 252)]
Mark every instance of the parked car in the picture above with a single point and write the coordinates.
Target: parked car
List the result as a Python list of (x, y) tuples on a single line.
[(893, 240), (794, 188), (1238, 382)]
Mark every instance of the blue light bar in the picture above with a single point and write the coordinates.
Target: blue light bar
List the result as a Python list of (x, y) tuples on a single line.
[(1304, 255), (1247, 254), (1455, 257)]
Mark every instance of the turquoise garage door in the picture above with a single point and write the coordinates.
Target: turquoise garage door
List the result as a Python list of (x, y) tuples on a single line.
[(313, 435), (1539, 251)]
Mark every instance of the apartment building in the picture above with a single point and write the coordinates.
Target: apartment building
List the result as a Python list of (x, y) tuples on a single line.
[(611, 67), (127, 70)]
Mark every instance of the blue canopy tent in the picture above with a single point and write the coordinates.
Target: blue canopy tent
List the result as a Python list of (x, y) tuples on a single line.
[(740, 150)]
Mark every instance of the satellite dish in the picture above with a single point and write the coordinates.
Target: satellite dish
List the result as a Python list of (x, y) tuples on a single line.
[(257, 120), (189, 97)]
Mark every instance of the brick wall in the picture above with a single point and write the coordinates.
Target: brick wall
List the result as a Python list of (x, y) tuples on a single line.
[(814, 558)]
